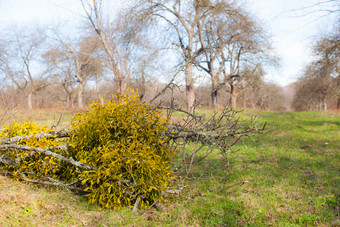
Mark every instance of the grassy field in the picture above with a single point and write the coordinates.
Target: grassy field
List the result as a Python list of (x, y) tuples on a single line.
[(289, 177)]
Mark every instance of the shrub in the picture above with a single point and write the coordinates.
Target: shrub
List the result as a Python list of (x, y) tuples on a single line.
[(31, 163), (124, 140)]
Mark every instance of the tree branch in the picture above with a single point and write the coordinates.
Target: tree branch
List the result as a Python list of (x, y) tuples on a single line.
[(48, 152)]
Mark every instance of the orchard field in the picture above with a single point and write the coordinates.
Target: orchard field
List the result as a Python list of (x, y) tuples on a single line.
[(288, 177)]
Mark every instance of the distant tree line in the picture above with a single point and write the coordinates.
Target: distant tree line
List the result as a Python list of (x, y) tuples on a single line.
[(319, 86), (211, 53)]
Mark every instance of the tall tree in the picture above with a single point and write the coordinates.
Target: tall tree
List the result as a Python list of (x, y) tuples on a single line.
[(235, 48), (327, 49), (118, 38), (184, 19), (321, 78), (75, 61), (313, 88), (20, 59)]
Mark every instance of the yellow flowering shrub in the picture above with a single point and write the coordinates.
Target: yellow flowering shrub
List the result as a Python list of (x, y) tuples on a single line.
[(31, 163), (122, 144), (124, 141)]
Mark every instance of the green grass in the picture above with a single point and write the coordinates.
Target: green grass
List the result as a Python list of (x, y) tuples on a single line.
[(293, 172), (291, 178)]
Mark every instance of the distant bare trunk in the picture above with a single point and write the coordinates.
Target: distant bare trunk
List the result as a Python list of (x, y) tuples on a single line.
[(142, 87), (190, 92), (121, 85), (101, 99), (69, 101), (338, 104), (324, 103), (214, 98), (29, 100), (80, 95), (244, 102), (233, 96), (215, 81)]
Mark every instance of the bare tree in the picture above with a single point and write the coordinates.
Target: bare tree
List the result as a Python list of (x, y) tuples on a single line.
[(321, 77), (142, 73), (313, 88), (236, 47), (118, 39), (20, 59), (61, 65), (184, 19), (325, 7), (214, 36), (74, 62), (327, 49)]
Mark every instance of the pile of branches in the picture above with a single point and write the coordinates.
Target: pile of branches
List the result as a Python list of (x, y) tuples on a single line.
[(13, 143), (196, 136), (188, 133)]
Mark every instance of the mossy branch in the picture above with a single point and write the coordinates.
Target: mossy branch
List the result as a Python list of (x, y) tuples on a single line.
[(48, 151), (38, 136)]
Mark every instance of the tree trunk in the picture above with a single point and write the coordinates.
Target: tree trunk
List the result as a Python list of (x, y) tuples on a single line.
[(338, 104), (189, 88), (142, 86), (215, 81), (29, 100), (214, 98), (324, 103), (101, 99), (80, 95), (244, 102), (320, 104), (121, 85), (69, 101), (233, 96)]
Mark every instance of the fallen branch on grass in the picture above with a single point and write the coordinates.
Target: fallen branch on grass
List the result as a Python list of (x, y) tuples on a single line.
[(233, 185), (48, 151), (38, 136)]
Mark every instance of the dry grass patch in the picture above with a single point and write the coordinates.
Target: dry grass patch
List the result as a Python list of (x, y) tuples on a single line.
[(24, 204)]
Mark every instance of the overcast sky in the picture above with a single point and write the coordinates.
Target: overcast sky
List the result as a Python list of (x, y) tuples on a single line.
[(293, 25)]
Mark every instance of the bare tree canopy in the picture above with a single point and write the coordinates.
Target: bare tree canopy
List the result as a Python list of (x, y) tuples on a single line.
[(235, 49), (19, 61)]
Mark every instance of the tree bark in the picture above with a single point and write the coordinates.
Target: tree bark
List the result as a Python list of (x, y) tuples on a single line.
[(29, 100), (190, 92), (80, 95), (101, 99), (142, 86), (324, 103), (69, 101), (215, 80), (214, 98), (233, 96), (121, 84)]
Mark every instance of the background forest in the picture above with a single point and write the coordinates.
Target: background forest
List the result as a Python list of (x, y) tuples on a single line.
[(206, 53)]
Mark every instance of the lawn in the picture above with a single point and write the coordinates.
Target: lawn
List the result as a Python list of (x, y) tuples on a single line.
[(288, 177)]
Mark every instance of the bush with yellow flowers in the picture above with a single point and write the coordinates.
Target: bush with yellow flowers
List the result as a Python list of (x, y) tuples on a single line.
[(118, 153), (29, 163), (124, 140)]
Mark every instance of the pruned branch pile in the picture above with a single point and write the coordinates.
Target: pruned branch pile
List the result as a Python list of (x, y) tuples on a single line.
[(89, 165)]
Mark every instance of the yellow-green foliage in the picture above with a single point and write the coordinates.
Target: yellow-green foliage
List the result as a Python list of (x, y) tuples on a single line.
[(123, 140), (33, 164)]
